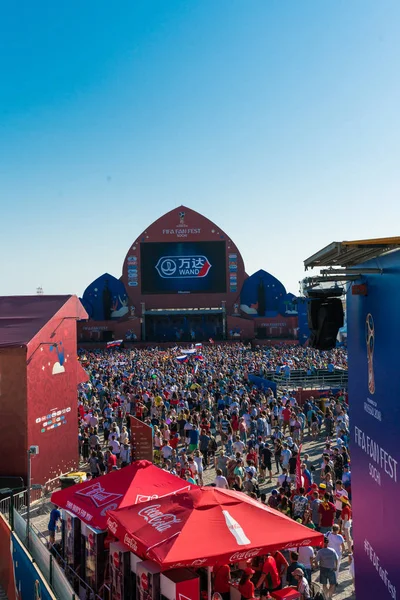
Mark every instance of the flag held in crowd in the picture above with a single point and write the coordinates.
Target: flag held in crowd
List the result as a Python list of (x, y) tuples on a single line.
[(182, 359), (114, 344)]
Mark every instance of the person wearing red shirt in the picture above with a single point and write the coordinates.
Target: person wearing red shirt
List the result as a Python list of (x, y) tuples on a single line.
[(286, 414), (246, 586), (174, 441), (269, 580), (222, 576), (327, 513), (111, 461), (281, 563), (139, 410), (314, 488), (251, 457), (235, 423)]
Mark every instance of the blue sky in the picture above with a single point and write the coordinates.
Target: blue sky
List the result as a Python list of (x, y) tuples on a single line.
[(279, 120)]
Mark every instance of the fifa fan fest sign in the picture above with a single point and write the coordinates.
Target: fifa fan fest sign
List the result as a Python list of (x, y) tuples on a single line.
[(374, 384)]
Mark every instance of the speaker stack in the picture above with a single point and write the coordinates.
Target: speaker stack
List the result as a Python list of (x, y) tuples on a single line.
[(325, 317)]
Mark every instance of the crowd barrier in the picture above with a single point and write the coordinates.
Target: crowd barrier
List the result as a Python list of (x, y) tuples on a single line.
[(50, 569), (321, 379)]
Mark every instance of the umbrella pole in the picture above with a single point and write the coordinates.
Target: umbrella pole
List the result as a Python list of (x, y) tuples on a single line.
[(209, 586)]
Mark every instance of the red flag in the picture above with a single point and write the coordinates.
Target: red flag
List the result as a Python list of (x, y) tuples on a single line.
[(298, 470)]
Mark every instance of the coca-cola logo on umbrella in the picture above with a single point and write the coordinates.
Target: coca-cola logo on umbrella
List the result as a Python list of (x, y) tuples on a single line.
[(236, 529), (157, 519)]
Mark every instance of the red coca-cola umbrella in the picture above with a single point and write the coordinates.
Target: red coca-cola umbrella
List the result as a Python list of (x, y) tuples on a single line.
[(206, 526), (139, 482)]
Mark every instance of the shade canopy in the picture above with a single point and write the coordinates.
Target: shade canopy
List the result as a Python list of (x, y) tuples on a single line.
[(206, 526), (139, 482)]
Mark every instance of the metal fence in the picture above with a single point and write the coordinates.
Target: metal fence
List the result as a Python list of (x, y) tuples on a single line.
[(50, 562), (321, 379)]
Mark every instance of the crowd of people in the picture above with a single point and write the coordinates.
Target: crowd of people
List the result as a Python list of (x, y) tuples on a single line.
[(211, 425)]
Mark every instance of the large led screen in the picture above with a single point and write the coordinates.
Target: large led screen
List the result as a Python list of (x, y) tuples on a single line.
[(183, 267)]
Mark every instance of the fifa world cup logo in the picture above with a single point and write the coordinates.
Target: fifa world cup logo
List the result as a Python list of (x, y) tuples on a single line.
[(370, 341)]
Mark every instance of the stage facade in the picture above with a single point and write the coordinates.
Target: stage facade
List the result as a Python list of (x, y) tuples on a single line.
[(184, 280)]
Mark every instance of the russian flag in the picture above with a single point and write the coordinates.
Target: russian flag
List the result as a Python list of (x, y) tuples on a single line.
[(182, 359), (198, 357), (198, 345), (114, 344), (211, 341)]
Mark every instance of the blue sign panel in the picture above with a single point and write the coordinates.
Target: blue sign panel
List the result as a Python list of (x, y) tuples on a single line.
[(28, 581), (374, 384)]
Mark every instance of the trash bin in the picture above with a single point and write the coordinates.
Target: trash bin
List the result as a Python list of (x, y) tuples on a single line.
[(66, 481), (322, 404), (81, 475)]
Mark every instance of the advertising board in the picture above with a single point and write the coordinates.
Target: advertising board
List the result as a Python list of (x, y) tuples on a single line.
[(374, 383), (183, 267)]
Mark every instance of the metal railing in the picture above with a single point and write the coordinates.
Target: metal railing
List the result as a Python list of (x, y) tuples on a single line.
[(65, 583), (321, 379)]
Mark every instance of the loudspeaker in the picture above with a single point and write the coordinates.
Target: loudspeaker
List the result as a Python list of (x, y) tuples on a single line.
[(325, 318)]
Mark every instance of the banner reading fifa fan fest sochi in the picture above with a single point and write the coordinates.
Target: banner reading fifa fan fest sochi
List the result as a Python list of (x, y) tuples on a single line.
[(374, 388)]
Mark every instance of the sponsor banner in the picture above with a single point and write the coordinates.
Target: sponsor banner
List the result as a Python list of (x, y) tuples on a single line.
[(157, 519), (141, 440), (28, 579), (374, 381), (183, 267)]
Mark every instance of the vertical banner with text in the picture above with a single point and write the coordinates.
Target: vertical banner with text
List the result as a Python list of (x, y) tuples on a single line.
[(374, 384), (141, 440)]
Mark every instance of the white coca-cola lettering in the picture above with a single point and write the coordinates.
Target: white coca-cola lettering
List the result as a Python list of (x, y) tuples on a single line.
[(157, 519), (245, 555), (198, 562), (112, 526), (130, 542), (141, 498)]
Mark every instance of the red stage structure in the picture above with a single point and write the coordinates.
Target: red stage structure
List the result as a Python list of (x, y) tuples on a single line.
[(184, 280), (39, 373)]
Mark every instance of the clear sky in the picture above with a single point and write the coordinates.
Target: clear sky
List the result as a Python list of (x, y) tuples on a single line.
[(277, 119)]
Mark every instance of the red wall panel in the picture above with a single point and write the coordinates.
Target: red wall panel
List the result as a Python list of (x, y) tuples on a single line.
[(53, 373), (13, 436)]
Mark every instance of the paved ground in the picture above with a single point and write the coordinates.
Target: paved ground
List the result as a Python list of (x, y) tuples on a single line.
[(314, 450)]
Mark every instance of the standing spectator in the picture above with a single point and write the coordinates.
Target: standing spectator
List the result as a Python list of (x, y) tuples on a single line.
[(294, 564), (336, 541), (327, 560), (269, 580), (302, 584), (327, 513), (55, 517), (220, 481)]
